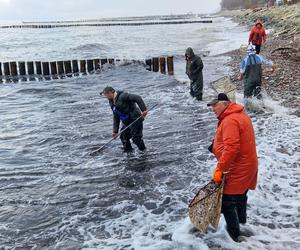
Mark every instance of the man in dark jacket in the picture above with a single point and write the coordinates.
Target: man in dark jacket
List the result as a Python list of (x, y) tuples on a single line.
[(194, 66), (125, 110)]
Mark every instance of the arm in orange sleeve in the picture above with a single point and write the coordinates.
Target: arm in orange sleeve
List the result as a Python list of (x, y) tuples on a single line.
[(231, 141)]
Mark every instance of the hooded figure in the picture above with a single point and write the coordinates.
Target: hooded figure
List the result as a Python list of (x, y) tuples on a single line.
[(251, 72), (194, 66), (257, 35)]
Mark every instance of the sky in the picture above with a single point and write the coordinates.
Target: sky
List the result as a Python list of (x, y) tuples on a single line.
[(45, 10)]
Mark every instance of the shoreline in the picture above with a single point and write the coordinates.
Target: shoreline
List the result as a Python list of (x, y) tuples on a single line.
[(282, 47)]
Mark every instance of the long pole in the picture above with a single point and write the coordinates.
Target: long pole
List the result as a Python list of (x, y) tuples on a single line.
[(118, 134)]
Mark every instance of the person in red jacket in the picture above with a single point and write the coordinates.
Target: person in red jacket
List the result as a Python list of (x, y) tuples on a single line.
[(235, 149), (257, 35)]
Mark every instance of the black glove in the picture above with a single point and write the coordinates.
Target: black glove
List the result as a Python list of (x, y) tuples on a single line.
[(210, 148)]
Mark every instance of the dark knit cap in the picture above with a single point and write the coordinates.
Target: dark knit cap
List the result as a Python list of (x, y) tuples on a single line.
[(220, 97)]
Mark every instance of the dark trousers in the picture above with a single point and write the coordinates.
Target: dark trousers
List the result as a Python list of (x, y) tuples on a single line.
[(196, 88), (134, 132), (234, 210), (257, 48)]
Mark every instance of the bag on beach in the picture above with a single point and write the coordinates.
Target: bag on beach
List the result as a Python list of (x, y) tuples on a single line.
[(205, 208)]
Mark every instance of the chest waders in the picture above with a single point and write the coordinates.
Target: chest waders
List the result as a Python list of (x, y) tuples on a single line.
[(253, 74)]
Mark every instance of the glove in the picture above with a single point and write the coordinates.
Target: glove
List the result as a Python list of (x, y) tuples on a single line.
[(217, 177), (210, 148)]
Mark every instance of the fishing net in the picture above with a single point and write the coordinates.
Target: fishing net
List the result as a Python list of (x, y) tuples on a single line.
[(243, 50), (225, 85), (205, 208)]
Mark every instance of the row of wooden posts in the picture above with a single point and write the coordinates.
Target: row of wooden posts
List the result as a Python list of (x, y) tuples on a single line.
[(49, 26), (15, 71)]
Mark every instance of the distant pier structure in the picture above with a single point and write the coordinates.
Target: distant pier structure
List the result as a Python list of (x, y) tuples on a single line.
[(51, 26), (133, 21), (47, 70)]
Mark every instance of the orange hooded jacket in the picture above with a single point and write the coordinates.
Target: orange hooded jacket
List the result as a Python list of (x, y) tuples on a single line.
[(257, 35), (235, 149)]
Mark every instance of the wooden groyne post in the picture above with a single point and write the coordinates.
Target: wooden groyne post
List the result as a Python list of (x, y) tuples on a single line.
[(45, 66), (155, 64), (46, 70), (60, 68), (6, 69), (162, 65), (149, 64), (97, 64), (13, 69), (103, 61), (68, 68), (170, 65), (38, 66), (22, 69), (30, 70), (75, 66), (53, 68), (82, 66), (90, 65)]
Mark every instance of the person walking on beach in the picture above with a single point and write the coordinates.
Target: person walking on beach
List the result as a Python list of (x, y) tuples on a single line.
[(235, 149), (126, 109), (194, 67), (251, 72), (257, 35)]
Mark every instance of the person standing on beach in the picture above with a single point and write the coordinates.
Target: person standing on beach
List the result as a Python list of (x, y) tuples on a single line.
[(235, 149), (126, 109), (257, 35), (194, 67), (251, 72)]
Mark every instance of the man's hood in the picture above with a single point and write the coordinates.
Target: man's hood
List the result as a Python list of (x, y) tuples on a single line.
[(232, 108), (258, 22), (189, 52)]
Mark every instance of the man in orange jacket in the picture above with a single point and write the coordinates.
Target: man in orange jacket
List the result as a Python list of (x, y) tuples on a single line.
[(235, 149), (257, 35)]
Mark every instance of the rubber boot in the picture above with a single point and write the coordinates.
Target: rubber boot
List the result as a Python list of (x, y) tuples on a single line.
[(127, 146), (242, 209), (141, 145)]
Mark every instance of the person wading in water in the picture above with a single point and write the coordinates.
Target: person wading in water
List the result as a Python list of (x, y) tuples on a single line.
[(126, 109), (194, 67), (251, 72)]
